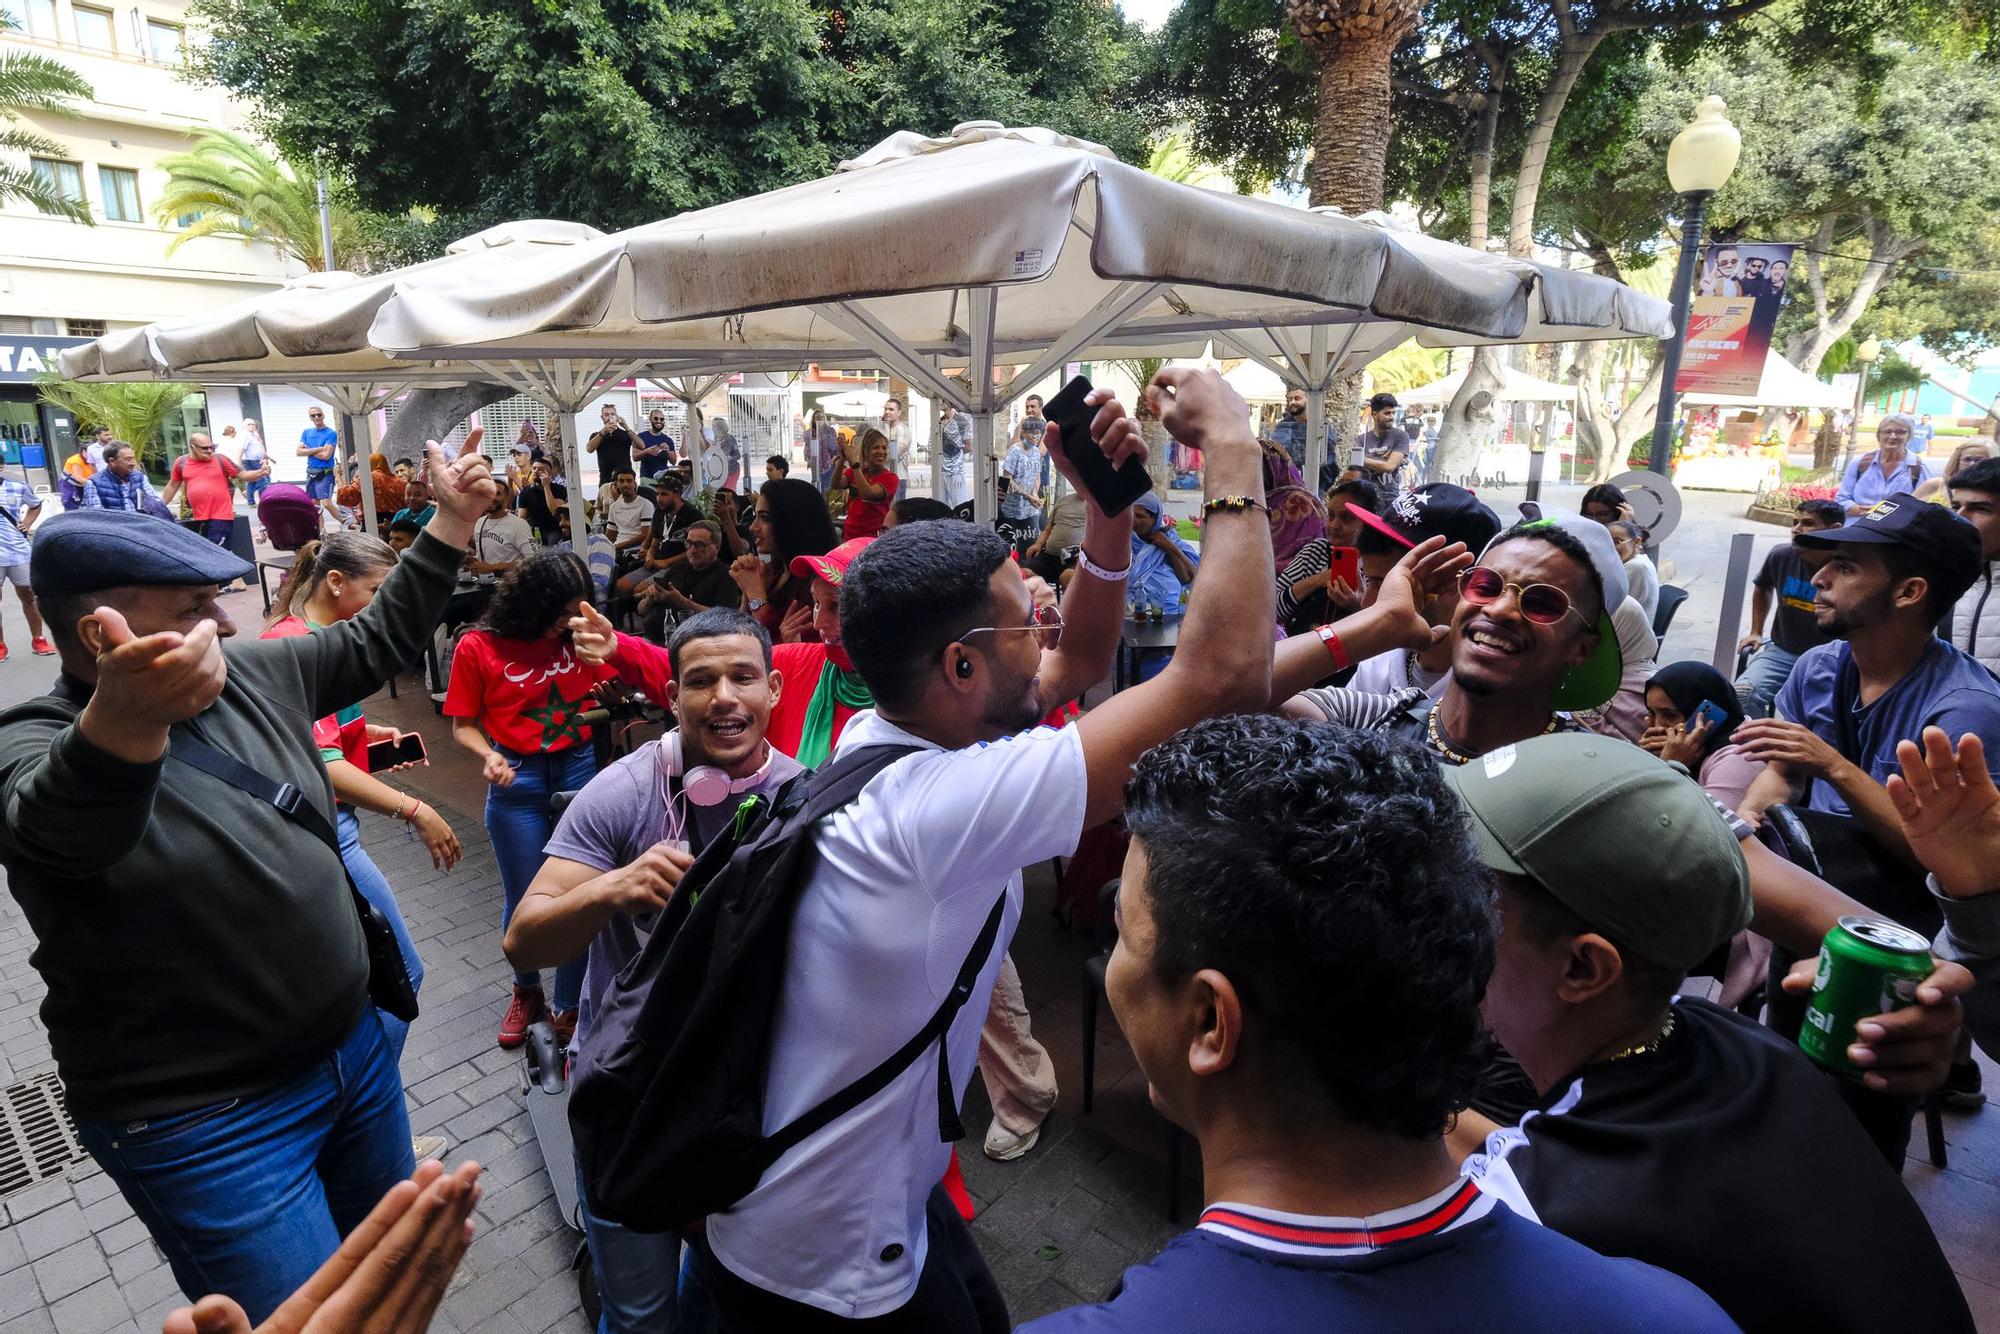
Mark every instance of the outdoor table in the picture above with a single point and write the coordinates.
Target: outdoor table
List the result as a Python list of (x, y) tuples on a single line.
[(1140, 638), (281, 561)]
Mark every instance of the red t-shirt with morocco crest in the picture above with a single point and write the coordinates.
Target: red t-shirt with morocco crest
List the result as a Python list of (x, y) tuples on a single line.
[(526, 693)]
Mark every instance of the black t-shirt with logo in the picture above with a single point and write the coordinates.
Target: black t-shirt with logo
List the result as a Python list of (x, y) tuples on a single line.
[(1726, 1158), (535, 509), (1785, 577), (670, 530)]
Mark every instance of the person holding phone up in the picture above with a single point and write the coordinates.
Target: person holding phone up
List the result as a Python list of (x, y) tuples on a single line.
[(871, 487), (331, 581)]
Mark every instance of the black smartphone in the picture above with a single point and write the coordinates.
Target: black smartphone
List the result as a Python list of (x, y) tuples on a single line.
[(405, 749), (1114, 489)]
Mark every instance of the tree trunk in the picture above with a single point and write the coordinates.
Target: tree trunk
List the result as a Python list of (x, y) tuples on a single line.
[(1479, 194), (1468, 420), (1351, 127), (1593, 428), (431, 414), (1572, 54), (1885, 249), (1634, 422)]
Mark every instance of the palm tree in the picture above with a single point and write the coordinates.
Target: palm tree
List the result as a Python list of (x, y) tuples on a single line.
[(1352, 40), (231, 186), (137, 413), (30, 82)]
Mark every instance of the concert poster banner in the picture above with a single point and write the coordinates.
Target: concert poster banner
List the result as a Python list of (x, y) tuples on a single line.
[(1739, 288)]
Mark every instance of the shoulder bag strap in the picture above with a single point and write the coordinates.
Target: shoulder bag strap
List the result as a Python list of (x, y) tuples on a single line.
[(861, 1090), (192, 751)]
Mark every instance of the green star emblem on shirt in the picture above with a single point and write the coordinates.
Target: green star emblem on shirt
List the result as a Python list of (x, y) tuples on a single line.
[(558, 718)]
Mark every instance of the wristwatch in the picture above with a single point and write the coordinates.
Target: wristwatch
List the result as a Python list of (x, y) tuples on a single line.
[(755, 604)]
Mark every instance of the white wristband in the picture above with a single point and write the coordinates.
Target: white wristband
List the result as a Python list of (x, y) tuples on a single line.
[(1096, 571)]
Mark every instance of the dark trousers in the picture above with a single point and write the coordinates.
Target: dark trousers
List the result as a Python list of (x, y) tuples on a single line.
[(955, 1293)]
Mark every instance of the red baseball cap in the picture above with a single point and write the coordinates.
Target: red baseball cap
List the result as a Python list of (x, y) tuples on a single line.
[(831, 567)]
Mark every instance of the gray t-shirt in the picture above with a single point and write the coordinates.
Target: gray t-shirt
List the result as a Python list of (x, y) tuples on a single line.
[(625, 810)]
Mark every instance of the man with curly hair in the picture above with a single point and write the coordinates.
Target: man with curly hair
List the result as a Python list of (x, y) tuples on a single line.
[(1304, 938)]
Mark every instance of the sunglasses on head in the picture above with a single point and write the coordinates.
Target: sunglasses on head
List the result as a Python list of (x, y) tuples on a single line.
[(1541, 604)]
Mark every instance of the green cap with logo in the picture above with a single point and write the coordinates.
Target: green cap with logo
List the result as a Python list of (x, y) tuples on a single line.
[(1625, 841)]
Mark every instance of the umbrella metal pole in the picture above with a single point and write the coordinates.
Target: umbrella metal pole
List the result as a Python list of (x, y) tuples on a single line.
[(1316, 368), (352, 423), (984, 506)]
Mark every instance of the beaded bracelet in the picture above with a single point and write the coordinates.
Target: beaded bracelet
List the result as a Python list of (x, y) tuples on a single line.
[(1096, 571), (1233, 505)]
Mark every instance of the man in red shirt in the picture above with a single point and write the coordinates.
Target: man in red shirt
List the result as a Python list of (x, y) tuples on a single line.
[(209, 479)]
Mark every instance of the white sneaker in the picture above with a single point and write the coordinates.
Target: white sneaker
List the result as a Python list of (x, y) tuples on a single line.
[(1004, 1146), (426, 1147)]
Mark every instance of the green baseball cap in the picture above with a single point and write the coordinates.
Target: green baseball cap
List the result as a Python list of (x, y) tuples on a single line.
[(1626, 842)]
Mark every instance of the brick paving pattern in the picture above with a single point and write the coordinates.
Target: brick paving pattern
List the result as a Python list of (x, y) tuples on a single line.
[(1058, 1226)]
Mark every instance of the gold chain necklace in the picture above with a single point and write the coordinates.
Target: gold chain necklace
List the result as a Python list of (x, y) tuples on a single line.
[(1435, 736), (1647, 1048)]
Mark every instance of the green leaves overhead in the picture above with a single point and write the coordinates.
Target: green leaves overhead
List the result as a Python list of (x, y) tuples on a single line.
[(616, 112)]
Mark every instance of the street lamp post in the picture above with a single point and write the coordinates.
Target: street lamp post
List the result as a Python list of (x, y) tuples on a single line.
[(1699, 162), (1866, 354)]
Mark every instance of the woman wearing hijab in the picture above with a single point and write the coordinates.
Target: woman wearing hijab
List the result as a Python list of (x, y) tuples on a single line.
[(1297, 515), (1675, 731), (1162, 564)]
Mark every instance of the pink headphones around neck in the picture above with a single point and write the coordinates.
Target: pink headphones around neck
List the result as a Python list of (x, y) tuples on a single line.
[(705, 785)]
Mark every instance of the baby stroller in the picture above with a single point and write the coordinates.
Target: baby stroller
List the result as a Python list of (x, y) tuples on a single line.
[(289, 516)]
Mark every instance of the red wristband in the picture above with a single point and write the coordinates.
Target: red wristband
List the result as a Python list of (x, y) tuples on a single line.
[(1331, 638)]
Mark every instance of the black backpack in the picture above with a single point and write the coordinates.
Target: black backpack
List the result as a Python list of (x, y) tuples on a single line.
[(667, 1106)]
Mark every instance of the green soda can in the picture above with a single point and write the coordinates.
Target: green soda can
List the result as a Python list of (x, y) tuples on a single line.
[(1866, 967)]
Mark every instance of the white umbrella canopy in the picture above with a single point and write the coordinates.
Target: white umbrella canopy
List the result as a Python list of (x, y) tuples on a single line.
[(1515, 387), (1782, 385), (862, 403), (314, 333), (989, 245)]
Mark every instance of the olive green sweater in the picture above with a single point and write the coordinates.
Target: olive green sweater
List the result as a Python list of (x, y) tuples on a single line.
[(197, 944)]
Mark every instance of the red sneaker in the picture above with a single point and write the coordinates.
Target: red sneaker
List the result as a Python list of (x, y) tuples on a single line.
[(564, 1023), (41, 648), (525, 1009)]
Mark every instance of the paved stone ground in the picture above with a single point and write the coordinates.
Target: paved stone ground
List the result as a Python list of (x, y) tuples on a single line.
[(1058, 1226)]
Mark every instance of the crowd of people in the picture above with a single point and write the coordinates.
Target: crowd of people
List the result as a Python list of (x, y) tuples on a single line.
[(1423, 844)]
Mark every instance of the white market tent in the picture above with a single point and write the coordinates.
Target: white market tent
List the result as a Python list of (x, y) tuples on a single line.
[(1515, 387), (986, 247), (1782, 385)]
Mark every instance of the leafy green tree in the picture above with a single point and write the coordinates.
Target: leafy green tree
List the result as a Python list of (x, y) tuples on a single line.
[(30, 82), (137, 413), (617, 112), (232, 186)]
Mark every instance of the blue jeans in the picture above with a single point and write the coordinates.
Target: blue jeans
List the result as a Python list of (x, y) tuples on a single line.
[(374, 887), (1763, 677), (636, 1273), (520, 821), (253, 491), (248, 1197)]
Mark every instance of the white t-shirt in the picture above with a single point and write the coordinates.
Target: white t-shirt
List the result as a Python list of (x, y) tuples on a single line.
[(1386, 673), (629, 517), (905, 878), (504, 537)]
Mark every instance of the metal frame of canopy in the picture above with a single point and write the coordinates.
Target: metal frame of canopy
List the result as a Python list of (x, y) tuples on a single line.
[(751, 283)]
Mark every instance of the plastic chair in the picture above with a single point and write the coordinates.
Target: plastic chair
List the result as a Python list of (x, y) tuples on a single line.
[(1671, 597)]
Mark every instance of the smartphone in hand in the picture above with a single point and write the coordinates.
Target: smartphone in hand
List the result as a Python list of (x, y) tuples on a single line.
[(1344, 563), (1114, 489), (406, 749), (1711, 711)]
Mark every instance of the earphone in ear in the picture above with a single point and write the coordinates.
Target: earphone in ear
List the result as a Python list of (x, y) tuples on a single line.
[(964, 668)]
